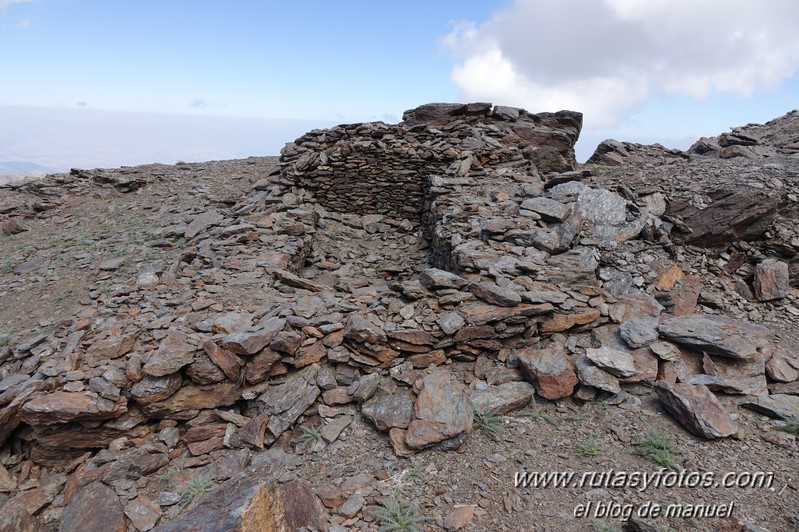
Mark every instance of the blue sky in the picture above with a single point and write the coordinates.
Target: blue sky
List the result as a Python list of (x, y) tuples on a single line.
[(107, 70)]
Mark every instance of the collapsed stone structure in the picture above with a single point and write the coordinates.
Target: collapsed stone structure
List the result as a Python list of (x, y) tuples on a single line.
[(380, 256)]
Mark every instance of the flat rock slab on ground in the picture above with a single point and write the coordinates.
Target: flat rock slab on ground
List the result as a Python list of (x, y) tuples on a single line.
[(715, 335)]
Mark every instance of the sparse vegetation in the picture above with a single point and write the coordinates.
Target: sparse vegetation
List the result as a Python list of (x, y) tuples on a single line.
[(791, 425), (310, 436), (658, 449), (537, 412), (489, 423), (579, 418), (196, 488), (4, 338), (589, 448), (180, 163), (607, 527), (8, 266), (62, 296), (398, 516)]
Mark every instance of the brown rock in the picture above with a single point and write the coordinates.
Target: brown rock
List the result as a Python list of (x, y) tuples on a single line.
[(249, 343), (310, 355), (669, 278), (17, 519), (191, 398), (424, 360), (65, 407), (496, 295), (95, 508), (502, 399), (771, 280), (154, 389), (459, 517), (563, 322), (174, 352), (414, 337), (783, 366), (143, 513), (109, 348), (397, 438), (685, 295), (550, 371), (253, 432), (478, 313), (389, 410), (443, 414), (229, 363), (697, 409), (286, 402), (251, 501), (257, 368)]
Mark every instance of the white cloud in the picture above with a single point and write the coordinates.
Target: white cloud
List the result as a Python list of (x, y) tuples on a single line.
[(604, 57), (4, 4)]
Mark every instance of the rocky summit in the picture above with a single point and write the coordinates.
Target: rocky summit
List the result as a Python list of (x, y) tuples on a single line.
[(391, 322)]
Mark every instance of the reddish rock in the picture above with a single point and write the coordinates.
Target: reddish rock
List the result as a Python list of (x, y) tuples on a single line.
[(154, 389), (550, 371), (95, 508), (109, 348), (229, 363), (252, 501), (459, 517), (443, 414), (697, 409), (174, 352), (783, 366), (563, 322), (258, 368), (65, 407), (191, 398), (481, 313), (249, 343), (397, 438), (310, 355), (424, 360), (17, 519), (685, 295)]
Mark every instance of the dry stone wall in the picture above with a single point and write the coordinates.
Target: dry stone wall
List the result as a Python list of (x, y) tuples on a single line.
[(374, 168)]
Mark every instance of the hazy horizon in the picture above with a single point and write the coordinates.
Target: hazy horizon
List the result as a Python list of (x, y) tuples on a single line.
[(60, 139)]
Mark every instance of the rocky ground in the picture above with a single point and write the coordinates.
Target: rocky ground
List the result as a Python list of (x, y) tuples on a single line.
[(238, 344)]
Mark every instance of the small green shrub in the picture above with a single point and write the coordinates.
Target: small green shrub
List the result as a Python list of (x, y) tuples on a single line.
[(590, 447), (658, 449), (198, 487), (398, 516), (489, 423)]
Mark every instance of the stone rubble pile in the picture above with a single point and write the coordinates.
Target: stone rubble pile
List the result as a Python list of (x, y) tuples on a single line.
[(373, 259)]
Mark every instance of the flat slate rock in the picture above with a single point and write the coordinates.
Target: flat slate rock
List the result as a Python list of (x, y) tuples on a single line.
[(775, 405), (504, 398), (715, 335), (697, 409)]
